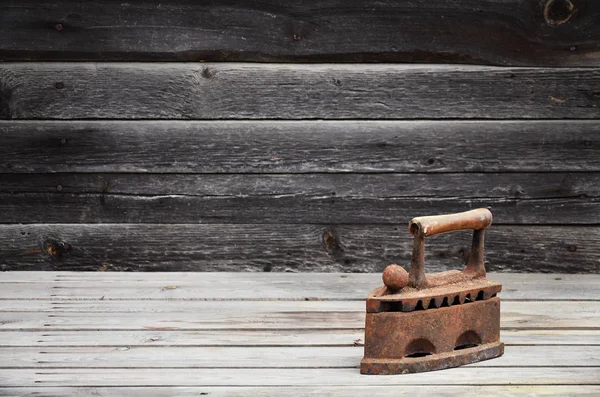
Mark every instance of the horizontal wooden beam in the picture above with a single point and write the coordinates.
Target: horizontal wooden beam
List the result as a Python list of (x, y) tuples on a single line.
[(79, 291), (305, 377), (250, 338), (264, 357), (513, 32), (294, 91), (299, 146), (324, 391), (284, 247), (272, 315), (542, 198)]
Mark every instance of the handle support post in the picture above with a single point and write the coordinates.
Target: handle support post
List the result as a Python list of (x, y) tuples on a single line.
[(421, 227)]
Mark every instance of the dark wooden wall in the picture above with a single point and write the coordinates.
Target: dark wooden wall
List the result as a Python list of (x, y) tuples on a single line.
[(297, 136)]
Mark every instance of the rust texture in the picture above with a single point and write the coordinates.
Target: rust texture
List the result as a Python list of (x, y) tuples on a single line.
[(423, 322)]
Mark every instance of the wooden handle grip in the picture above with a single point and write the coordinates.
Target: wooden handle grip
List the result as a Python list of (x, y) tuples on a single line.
[(425, 226)]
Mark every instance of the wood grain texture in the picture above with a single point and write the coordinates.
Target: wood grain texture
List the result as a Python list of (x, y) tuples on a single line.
[(300, 91), (249, 338), (157, 336), (166, 303), (308, 198), (311, 377), (514, 32), (79, 291), (127, 357), (280, 315), (279, 247), (304, 391), (299, 146)]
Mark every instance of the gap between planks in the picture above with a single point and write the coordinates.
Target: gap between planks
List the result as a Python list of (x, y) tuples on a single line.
[(549, 198)]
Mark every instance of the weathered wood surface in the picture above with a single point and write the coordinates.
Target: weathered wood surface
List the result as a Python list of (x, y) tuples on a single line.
[(396, 186), (271, 345), (308, 198), (350, 248), (301, 91), (472, 375), (299, 146), (252, 315), (263, 357), (79, 291), (515, 32), (316, 391), (252, 338)]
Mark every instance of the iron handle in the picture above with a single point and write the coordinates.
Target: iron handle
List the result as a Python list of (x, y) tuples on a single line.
[(426, 226)]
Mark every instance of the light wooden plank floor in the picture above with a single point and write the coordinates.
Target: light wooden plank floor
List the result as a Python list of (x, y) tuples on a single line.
[(279, 334)]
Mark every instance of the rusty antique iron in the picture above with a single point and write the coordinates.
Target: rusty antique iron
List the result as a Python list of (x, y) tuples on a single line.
[(419, 322)]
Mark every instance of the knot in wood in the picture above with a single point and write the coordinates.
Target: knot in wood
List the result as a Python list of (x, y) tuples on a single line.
[(330, 240), (557, 12)]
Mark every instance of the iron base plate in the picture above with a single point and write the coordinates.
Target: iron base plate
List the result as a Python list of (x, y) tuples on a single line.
[(434, 362)]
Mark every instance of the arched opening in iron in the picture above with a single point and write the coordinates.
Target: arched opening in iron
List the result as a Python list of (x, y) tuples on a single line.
[(480, 296), (419, 305), (467, 340), (419, 348), (445, 302), (431, 304)]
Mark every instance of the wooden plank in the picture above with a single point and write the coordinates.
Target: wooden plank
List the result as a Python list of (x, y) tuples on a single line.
[(293, 282), (300, 147), (165, 305), (60, 287), (101, 305), (300, 91), (465, 186), (350, 391), (348, 248), (296, 377), (231, 338), (237, 315), (308, 198), (264, 357), (500, 32)]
